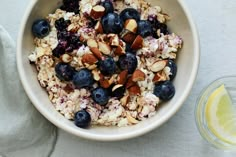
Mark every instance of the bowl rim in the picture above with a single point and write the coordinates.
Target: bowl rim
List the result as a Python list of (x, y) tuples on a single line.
[(122, 136)]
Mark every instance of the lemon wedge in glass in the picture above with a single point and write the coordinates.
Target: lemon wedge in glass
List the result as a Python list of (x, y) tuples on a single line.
[(221, 115)]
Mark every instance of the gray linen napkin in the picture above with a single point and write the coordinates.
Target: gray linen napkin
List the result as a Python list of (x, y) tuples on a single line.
[(22, 128)]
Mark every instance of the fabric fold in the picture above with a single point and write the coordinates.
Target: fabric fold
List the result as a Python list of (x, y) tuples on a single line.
[(21, 125)]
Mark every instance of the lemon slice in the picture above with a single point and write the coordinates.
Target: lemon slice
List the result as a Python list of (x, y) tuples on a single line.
[(221, 115)]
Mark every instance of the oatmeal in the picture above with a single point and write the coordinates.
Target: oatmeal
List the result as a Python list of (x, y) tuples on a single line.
[(105, 62)]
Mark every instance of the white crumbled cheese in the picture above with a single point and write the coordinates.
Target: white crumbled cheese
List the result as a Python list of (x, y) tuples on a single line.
[(112, 114), (133, 4), (149, 102), (32, 57), (123, 122), (82, 50), (163, 47), (87, 5), (68, 15), (152, 11)]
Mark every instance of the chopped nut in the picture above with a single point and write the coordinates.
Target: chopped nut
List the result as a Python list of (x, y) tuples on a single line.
[(134, 90), (96, 52), (138, 43), (104, 82), (98, 27), (96, 75), (160, 76), (130, 83), (116, 87), (124, 100), (130, 118), (112, 79), (122, 77), (89, 59), (119, 51), (104, 48), (90, 67), (131, 25), (138, 75), (114, 40), (66, 58), (97, 12), (92, 43), (128, 36), (158, 65)]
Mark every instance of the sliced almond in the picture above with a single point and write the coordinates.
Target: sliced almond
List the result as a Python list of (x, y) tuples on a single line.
[(92, 43), (73, 28), (96, 52), (122, 43), (98, 27), (112, 79), (138, 43), (130, 83), (160, 76), (89, 59), (116, 87), (66, 58), (96, 75), (104, 82), (134, 90), (127, 36), (130, 118), (138, 75), (114, 40), (90, 67), (131, 25), (158, 65), (97, 12), (122, 77), (125, 100), (119, 51), (104, 48)]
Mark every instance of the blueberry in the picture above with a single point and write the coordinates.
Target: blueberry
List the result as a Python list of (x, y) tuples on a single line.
[(164, 90), (64, 71), (156, 25), (108, 6), (60, 49), (82, 119), (173, 69), (118, 92), (144, 28), (112, 23), (75, 41), (129, 62), (63, 35), (83, 78), (67, 43), (70, 6), (107, 66), (40, 28), (129, 13), (62, 24), (100, 96)]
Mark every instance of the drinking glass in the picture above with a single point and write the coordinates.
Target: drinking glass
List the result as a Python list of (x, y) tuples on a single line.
[(200, 112)]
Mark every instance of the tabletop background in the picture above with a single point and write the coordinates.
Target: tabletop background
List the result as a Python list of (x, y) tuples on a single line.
[(179, 136)]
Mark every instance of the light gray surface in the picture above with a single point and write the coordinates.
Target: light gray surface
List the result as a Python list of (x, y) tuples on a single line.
[(179, 137)]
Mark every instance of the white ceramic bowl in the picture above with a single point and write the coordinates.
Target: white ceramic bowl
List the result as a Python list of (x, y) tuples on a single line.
[(188, 61)]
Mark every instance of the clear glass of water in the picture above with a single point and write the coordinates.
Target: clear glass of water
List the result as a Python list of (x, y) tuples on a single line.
[(201, 116)]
